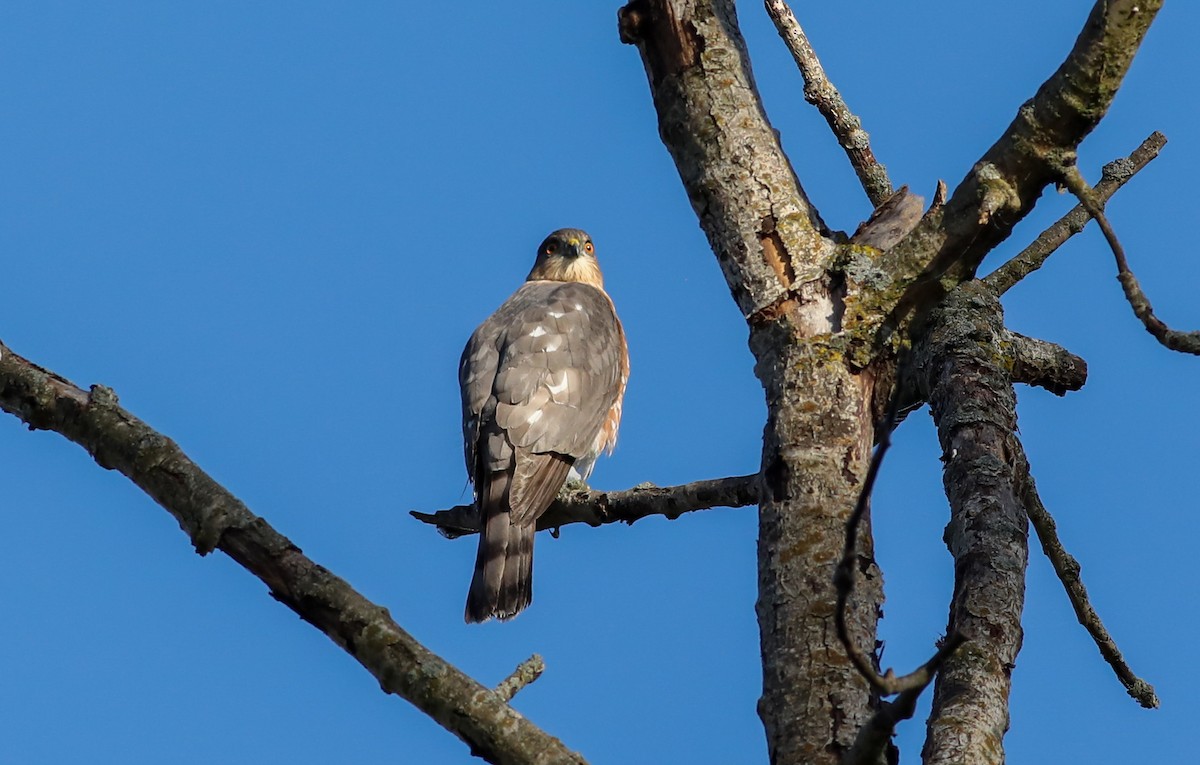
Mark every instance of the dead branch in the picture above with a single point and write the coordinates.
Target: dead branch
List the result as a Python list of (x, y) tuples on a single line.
[(596, 508), (1114, 176), (821, 93), (774, 252), (1067, 568), (215, 519), (1006, 182), (765, 231), (1176, 340)]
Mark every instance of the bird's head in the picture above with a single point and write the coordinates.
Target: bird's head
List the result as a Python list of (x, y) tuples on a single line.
[(567, 255)]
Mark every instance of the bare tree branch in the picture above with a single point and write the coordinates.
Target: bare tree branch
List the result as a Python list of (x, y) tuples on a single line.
[(1068, 569), (1002, 188), (1115, 174), (890, 221), (1176, 340), (821, 93), (595, 508), (215, 519), (971, 396)]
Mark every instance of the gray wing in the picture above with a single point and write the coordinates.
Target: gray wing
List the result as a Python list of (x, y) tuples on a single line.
[(538, 378)]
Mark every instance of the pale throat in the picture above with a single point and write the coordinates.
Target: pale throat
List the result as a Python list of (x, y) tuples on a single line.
[(559, 269)]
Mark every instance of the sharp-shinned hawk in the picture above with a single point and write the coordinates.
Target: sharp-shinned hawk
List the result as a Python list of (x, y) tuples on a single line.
[(542, 381)]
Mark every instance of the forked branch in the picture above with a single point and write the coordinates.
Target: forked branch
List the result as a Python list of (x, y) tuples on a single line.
[(1176, 340), (1005, 183), (875, 735), (1114, 176)]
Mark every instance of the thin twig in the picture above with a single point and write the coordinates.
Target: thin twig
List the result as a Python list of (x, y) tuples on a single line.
[(1067, 569), (1176, 340), (887, 683), (1114, 176), (599, 507), (821, 93), (525, 673)]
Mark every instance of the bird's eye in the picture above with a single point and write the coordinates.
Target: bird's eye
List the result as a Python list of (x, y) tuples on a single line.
[(549, 249), (588, 248)]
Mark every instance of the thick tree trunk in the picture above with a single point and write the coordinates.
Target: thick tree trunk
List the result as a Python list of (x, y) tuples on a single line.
[(774, 252), (815, 450)]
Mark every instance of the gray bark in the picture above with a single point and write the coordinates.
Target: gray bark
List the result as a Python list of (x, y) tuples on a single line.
[(959, 364)]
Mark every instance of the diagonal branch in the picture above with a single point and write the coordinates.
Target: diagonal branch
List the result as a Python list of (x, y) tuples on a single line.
[(596, 508), (1176, 340), (1115, 174), (215, 519), (1067, 569), (766, 234), (1003, 187), (821, 93)]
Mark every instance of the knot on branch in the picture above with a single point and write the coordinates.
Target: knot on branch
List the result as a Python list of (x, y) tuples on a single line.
[(995, 193)]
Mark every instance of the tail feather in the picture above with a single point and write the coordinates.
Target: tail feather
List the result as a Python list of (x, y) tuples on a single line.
[(502, 584)]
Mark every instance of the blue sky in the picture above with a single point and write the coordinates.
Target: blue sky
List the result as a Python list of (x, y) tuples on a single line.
[(271, 227)]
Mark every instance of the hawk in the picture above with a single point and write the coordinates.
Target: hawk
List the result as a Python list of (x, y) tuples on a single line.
[(542, 381)]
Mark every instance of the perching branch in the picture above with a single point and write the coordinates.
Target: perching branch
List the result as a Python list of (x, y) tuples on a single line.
[(1067, 569), (215, 519), (1115, 174), (843, 577), (1176, 340), (596, 508), (821, 93)]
